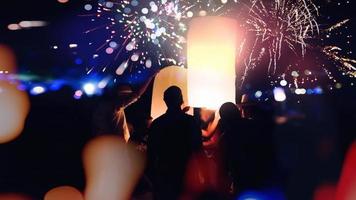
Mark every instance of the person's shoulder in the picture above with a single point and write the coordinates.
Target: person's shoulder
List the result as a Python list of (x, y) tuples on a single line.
[(159, 119), (188, 117)]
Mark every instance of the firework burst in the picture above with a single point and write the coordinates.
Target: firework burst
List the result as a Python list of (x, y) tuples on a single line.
[(147, 33), (280, 23)]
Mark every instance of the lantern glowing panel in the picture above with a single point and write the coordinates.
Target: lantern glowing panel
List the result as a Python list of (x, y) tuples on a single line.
[(211, 54), (167, 77)]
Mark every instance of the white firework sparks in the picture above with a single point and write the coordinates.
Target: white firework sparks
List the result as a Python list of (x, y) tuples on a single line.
[(148, 33), (281, 23)]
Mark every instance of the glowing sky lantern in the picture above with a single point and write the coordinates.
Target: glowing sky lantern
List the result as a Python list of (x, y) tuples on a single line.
[(64, 192), (167, 77), (211, 58)]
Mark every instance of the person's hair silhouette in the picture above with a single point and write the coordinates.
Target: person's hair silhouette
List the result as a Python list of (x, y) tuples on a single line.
[(229, 111), (173, 97)]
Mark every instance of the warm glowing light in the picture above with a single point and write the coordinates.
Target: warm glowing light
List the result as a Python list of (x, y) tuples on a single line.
[(14, 107), (89, 88), (7, 59), (211, 58), (14, 104), (63, 1), (64, 192), (325, 192), (10, 196), (112, 168), (347, 183), (32, 24), (167, 77), (38, 90), (13, 27)]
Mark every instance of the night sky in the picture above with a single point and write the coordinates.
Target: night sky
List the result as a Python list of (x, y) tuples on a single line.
[(35, 47)]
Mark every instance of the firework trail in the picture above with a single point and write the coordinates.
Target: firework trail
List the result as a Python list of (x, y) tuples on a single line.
[(281, 23), (345, 65), (280, 27), (145, 34)]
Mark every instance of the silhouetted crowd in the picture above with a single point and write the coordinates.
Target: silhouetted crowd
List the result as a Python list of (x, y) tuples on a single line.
[(211, 155)]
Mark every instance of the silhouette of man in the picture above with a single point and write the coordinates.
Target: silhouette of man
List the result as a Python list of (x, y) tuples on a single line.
[(173, 139)]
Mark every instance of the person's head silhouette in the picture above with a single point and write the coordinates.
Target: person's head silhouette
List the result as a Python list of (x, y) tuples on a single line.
[(173, 97), (229, 111)]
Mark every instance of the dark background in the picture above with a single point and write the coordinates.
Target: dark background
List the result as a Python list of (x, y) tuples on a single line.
[(311, 149)]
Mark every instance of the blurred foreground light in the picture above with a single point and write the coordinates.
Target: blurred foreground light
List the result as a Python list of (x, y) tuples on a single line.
[(11, 196), (63, 1), (211, 59), (7, 60), (89, 88), (325, 192), (14, 107), (112, 168), (38, 90), (279, 94), (64, 193), (347, 183)]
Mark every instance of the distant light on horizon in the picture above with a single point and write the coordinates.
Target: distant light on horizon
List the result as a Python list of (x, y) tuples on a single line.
[(258, 94), (78, 94), (300, 91), (279, 94), (89, 88), (283, 83), (73, 46), (37, 90)]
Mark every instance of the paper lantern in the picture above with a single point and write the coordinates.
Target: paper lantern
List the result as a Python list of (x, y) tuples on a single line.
[(167, 77), (211, 54)]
